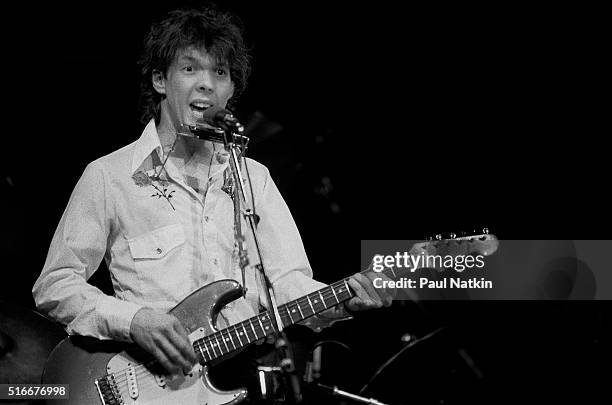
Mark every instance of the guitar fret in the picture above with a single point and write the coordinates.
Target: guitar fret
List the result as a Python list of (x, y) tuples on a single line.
[(201, 351), (267, 318), (255, 333), (322, 299), (212, 346), (224, 342), (218, 345), (297, 303), (289, 313), (229, 333), (293, 310), (245, 333), (206, 348), (310, 303), (348, 290), (262, 326), (283, 316), (238, 335), (335, 296)]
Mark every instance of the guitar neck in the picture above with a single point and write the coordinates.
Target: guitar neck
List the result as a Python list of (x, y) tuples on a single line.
[(244, 333)]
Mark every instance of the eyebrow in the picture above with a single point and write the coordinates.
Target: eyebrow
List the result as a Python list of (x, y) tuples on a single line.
[(188, 58)]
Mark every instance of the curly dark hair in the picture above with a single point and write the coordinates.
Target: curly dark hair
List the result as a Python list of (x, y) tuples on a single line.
[(220, 33)]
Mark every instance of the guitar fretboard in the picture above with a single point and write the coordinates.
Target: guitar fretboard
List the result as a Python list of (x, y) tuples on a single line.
[(244, 333)]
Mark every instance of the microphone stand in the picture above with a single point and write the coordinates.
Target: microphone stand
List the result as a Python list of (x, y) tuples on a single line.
[(232, 140)]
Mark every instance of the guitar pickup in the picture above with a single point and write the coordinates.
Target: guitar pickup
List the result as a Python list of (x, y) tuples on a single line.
[(132, 383)]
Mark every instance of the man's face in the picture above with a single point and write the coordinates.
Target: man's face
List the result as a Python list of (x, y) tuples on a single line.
[(194, 82)]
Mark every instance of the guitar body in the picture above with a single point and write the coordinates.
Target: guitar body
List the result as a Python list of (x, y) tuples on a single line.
[(106, 372)]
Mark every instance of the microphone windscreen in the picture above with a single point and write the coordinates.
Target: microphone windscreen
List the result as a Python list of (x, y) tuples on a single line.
[(213, 114)]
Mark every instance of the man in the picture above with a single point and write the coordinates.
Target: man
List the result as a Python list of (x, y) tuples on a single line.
[(160, 210)]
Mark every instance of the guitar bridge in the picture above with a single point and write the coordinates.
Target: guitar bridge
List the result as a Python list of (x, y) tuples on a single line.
[(108, 391)]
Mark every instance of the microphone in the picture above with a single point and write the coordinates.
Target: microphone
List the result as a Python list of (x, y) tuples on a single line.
[(215, 121), (220, 117)]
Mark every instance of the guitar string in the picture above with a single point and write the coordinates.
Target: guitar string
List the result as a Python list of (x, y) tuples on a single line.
[(264, 317), (265, 320), (143, 384), (207, 341), (328, 293)]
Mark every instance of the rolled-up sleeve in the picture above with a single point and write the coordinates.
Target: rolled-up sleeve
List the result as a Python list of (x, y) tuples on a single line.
[(284, 256), (78, 246)]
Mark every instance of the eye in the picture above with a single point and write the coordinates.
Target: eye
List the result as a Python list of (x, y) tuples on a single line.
[(221, 72), (188, 68)]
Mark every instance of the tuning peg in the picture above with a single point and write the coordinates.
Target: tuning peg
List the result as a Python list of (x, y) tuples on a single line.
[(452, 235), (439, 236), (485, 231)]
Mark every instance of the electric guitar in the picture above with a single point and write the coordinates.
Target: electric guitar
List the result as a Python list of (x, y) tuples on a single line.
[(106, 372)]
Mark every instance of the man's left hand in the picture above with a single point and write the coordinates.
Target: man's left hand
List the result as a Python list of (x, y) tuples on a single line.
[(366, 295)]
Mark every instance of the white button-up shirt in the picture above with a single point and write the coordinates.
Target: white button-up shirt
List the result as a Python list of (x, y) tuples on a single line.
[(162, 240)]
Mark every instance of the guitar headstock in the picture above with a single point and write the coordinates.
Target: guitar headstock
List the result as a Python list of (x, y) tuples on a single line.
[(482, 243), (438, 253)]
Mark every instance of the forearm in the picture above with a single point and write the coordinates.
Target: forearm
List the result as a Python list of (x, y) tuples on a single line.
[(83, 309)]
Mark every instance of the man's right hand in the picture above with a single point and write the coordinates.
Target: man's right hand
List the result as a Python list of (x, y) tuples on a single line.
[(163, 336)]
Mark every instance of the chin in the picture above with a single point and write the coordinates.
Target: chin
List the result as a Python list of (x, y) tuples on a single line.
[(186, 121)]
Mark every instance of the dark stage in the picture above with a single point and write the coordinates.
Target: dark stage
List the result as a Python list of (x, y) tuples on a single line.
[(376, 122)]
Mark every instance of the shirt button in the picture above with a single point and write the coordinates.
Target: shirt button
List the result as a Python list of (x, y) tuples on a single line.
[(216, 261), (206, 218), (159, 251)]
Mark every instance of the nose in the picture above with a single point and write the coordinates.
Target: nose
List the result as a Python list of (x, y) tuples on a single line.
[(206, 83)]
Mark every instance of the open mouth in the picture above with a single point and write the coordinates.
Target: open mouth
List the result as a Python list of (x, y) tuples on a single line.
[(198, 108)]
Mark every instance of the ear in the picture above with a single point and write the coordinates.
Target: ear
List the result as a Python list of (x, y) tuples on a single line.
[(159, 81)]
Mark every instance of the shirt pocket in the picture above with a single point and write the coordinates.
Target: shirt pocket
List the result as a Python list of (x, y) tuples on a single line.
[(158, 243), (160, 263)]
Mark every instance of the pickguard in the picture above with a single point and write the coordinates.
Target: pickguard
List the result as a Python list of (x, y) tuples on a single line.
[(137, 384)]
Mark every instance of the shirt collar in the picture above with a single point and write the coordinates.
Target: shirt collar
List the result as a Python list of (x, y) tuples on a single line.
[(149, 142), (145, 145)]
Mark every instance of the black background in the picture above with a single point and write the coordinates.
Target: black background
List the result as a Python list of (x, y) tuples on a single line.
[(424, 120)]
